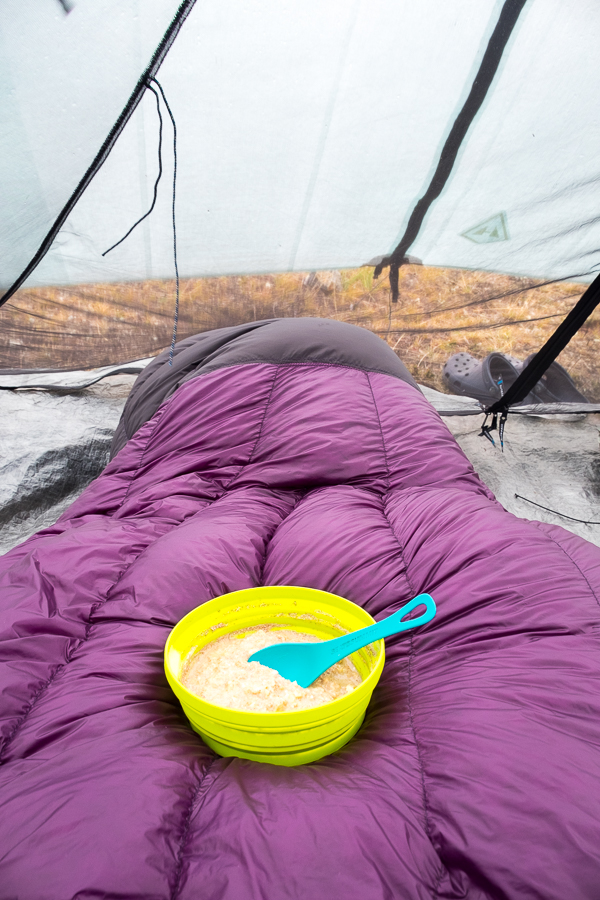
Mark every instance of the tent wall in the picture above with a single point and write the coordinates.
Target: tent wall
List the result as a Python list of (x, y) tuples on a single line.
[(307, 131)]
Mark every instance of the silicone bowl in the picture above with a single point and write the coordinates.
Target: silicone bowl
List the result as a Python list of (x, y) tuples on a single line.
[(286, 738)]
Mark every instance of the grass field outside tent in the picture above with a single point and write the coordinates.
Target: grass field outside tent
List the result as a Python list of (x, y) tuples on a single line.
[(440, 312)]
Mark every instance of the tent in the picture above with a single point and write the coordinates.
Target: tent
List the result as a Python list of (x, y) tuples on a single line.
[(303, 137), (151, 142), (307, 135)]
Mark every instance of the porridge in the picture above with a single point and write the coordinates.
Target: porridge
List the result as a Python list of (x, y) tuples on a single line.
[(221, 674)]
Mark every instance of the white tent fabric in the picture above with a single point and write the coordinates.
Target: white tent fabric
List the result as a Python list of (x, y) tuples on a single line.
[(307, 130), (64, 81)]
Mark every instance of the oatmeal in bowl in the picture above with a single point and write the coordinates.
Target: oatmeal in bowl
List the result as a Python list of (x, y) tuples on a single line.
[(220, 673), (261, 718)]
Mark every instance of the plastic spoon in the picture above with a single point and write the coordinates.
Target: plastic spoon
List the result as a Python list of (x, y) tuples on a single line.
[(303, 663)]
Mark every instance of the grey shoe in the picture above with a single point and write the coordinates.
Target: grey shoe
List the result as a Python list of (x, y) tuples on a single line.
[(486, 380), (555, 385)]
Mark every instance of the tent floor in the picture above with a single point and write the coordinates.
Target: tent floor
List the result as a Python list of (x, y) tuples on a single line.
[(54, 443)]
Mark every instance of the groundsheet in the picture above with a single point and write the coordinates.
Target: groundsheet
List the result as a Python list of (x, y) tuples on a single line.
[(54, 442)]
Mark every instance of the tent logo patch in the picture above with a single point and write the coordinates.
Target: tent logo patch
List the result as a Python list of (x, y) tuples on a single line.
[(488, 232)]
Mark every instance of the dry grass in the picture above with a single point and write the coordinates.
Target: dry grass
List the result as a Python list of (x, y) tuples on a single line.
[(440, 312)]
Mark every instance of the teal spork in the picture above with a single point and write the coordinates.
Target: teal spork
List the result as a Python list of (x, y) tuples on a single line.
[(303, 663)]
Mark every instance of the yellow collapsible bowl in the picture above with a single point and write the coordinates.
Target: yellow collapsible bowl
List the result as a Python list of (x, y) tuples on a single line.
[(280, 738)]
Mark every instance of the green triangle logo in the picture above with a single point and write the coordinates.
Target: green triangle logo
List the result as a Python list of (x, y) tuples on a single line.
[(488, 232)]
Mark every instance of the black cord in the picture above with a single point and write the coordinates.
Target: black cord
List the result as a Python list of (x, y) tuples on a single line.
[(176, 318), (145, 216), (439, 310), (555, 512), (466, 327), (98, 161)]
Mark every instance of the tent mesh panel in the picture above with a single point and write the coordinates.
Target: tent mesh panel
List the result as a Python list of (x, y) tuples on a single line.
[(441, 312)]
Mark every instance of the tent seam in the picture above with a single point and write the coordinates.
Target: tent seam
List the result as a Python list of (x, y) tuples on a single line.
[(134, 99), (455, 139)]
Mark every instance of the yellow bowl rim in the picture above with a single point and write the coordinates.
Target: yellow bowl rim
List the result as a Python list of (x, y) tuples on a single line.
[(199, 704)]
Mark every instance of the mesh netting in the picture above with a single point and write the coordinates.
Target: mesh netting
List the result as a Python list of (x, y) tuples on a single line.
[(440, 312)]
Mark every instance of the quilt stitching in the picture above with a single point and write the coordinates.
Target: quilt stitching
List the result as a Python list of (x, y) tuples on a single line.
[(157, 418), (411, 658), (260, 431), (378, 417), (93, 609), (187, 822), (568, 555), (68, 658)]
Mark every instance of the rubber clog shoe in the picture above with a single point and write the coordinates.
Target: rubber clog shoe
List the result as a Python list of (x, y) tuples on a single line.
[(555, 385), (485, 380)]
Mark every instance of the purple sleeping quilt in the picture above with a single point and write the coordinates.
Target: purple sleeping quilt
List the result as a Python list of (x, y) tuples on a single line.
[(298, 452)]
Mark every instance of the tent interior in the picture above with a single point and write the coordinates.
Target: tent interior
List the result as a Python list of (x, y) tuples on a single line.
[(320, 139), (55, 442), (425, 171)]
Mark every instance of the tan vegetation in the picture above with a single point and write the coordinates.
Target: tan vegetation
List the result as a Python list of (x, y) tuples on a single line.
[(440, 312)]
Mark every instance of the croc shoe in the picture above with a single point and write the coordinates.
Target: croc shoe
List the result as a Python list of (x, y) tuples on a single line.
[(555, 385), (485, 380)]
